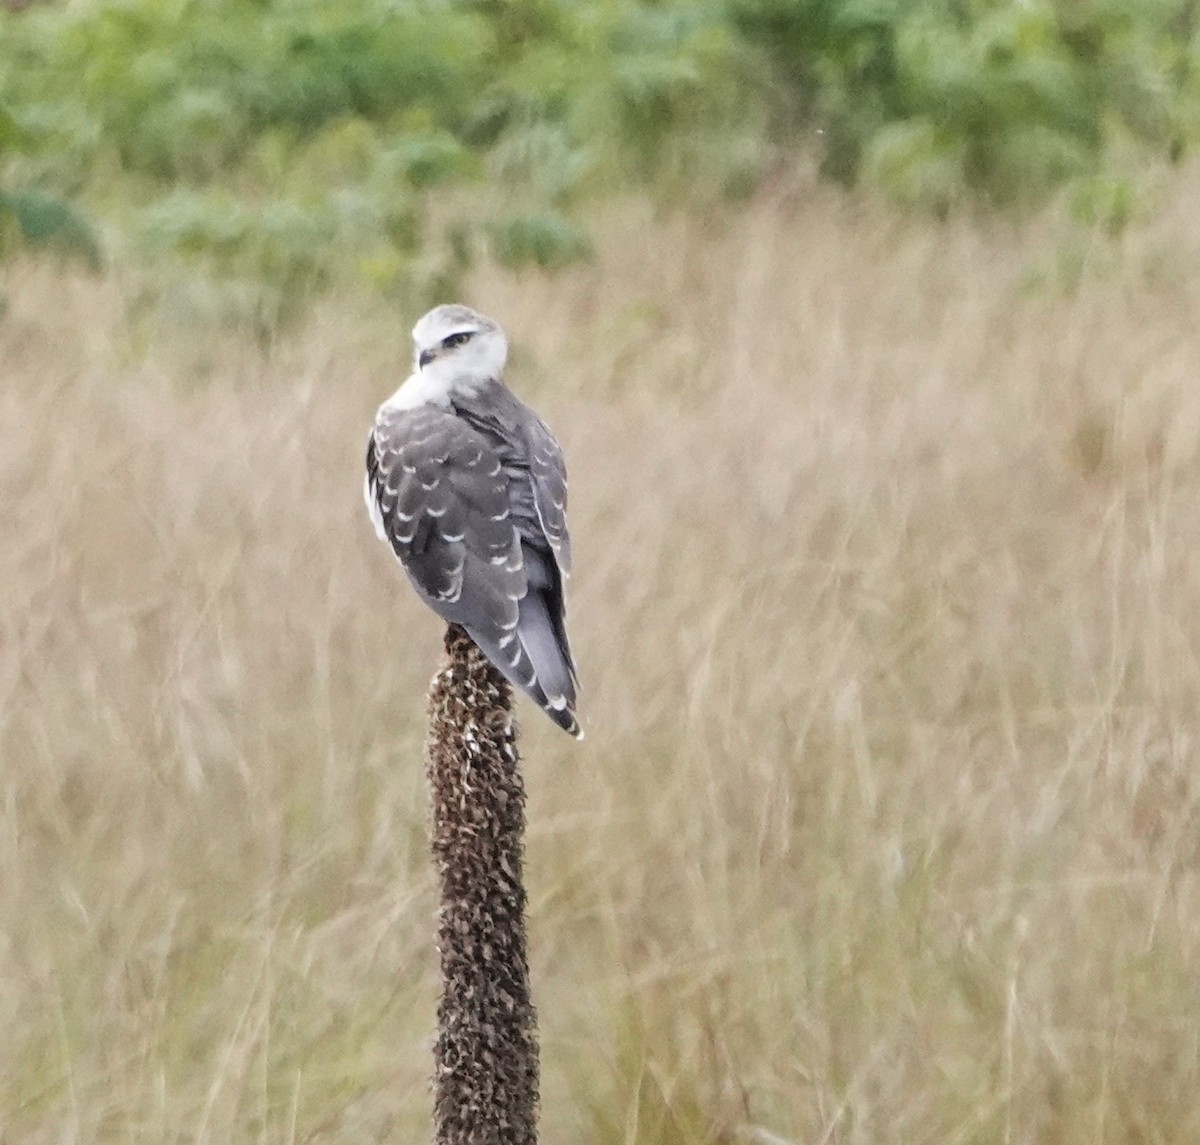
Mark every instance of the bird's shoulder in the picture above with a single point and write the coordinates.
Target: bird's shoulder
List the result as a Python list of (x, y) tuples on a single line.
[(533, 459), (513, 427), (429, 430)]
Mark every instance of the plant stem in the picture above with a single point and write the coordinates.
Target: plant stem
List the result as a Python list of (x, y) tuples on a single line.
[(486, 1055)]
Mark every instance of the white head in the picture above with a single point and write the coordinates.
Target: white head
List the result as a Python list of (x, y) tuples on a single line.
[(456, 349)]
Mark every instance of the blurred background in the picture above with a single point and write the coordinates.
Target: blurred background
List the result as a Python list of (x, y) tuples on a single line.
[(870, 332)]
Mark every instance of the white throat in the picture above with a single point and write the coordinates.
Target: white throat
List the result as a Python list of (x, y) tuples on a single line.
[(435, 385)]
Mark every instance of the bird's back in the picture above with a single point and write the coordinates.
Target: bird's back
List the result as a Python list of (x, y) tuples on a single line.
[(472, 498)]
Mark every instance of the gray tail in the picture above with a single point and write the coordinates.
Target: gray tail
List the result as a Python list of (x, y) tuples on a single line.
[(552, 682), (534, 659)]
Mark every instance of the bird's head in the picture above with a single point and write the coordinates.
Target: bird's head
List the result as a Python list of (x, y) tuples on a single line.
[(456, 347)]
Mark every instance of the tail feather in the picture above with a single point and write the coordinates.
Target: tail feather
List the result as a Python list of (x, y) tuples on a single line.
[(535, 630), (534, 661)]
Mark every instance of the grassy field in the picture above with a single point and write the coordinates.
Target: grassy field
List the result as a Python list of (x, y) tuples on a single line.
[(887, 606)]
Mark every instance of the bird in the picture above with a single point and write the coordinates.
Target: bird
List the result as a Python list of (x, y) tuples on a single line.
[(468, 487)]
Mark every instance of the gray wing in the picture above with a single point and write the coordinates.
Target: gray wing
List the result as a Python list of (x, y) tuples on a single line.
[(441, 497), (548, 473), (437, 494)]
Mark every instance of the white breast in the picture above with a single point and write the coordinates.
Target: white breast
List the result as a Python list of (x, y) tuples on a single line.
[(423, 388)]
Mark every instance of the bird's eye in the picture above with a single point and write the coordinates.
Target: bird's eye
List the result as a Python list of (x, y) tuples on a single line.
[(459, 339)]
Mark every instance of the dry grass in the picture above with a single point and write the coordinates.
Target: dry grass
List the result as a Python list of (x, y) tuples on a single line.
[(888, 603)]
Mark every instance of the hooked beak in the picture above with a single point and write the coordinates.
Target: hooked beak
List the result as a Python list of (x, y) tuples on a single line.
[(425, 357)]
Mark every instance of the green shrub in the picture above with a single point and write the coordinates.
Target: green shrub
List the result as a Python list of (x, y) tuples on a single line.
[(546, 241), (33, 218), (296, 143), (299, 143), (938, 98)]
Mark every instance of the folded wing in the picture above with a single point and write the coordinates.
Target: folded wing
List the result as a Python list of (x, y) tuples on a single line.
[(439, 495)]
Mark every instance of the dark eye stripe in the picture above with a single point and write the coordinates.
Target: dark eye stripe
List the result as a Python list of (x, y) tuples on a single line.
[(456, 339)]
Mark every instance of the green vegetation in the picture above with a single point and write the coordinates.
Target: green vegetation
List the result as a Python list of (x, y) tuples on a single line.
[(289, 145), (993, 97), (284, 147)]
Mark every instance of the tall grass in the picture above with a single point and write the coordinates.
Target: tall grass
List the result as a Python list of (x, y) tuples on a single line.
[(887, 606)]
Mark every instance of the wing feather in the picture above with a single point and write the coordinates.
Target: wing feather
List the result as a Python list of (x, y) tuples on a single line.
[(430, 484), (548, 472), (472, 500)]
